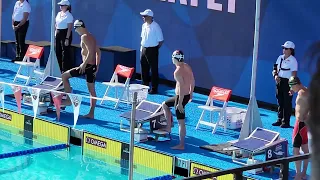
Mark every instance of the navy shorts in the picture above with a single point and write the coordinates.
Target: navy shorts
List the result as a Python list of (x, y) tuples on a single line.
[(89, 73), (173, 102)]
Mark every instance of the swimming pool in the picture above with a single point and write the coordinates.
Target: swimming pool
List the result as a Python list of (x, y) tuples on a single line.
[(59, 164)]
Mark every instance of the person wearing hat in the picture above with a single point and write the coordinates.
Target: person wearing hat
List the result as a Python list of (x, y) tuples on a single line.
[(64, 22), (300, 131), (151, 41), (89, 67), (285, 67), (20, 25), (184, 89)]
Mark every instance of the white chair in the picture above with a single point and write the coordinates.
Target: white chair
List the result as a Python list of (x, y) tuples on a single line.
[(216, 94), (121, 71), (33, 66)]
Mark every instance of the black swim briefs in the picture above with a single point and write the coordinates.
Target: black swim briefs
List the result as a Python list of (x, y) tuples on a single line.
[(89, 72), (174, 102)]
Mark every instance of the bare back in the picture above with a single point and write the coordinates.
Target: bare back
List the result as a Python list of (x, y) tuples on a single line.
[(302, 105), (88, 48), (184, 79)]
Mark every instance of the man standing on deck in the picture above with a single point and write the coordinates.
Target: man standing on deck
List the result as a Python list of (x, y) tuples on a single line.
[(300, 131), (184, 90), (91, 59)]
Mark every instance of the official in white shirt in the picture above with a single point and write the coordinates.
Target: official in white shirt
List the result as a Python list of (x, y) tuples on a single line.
[(64, 24), (151, 41), (285, 67), (20, 25)]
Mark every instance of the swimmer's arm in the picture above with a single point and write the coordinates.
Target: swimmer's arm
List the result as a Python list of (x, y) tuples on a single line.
[(179, 80), (98, 57), (299, 102), (192, 82), (88, 45)]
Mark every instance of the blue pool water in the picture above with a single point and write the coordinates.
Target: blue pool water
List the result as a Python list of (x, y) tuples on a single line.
[(59, 164)]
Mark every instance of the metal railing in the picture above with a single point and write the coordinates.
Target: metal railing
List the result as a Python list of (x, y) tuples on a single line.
[(238, 172)]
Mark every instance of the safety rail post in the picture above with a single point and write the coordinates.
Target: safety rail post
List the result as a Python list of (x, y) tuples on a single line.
[(238, 175), (132, 127), (284, 170)]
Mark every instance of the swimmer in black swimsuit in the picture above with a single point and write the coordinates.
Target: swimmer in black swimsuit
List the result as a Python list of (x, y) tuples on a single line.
[(91, 59), (184, 90)]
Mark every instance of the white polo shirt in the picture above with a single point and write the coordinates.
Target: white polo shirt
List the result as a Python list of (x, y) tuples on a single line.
[(151, 34), (63, 19), (19, 9), (287, 66)]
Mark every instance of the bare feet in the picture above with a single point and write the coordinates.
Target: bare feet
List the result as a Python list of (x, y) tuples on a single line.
[(298, 176), (88, 116), (178, 147)]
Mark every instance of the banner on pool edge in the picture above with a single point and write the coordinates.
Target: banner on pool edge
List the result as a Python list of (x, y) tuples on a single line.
[(198, 169), (45, 131), (102, 146), (12, 119)]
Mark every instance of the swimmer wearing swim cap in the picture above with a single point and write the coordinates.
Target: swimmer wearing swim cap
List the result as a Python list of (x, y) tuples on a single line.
[(91, 56), (300, 131), (184, 89)]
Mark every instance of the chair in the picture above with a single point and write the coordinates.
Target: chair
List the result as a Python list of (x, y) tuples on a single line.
[(34, 52), (216, 94), (121, 71)]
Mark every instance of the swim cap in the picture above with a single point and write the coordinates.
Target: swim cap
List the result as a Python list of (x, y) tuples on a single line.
[(178, 55), (78, 23), (294, 81)]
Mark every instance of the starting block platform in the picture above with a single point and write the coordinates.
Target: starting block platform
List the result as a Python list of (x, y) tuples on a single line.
[(45, 99), (147, 111), (261, 141)]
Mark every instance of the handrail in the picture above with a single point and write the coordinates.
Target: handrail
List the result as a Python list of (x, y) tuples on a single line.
[(253, 166)]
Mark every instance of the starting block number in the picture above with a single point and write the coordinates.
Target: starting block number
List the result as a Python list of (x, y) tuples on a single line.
[(158, 123), (277, 151), (181, 163)]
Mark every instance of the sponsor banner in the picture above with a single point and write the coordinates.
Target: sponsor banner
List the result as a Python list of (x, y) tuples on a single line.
[(43, 131), (35, 93), (102, 146), (12, 119), (151, 163), (198, 169)]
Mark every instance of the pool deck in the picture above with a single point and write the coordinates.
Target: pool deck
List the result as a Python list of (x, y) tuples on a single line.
[(107, 123)]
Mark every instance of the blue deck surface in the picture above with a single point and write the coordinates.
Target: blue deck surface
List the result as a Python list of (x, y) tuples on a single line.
[(107, 123)]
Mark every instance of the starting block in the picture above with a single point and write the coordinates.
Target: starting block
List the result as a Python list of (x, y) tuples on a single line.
[(151, 112), (48, 83), (261, 140)]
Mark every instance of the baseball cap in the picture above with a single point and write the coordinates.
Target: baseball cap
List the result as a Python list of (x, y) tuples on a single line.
[(288, 44), (178, 55), (147, 12), (78, 23), (64, 3), (294, 81)]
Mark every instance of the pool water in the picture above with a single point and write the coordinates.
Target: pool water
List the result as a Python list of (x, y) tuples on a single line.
[(56, 165)]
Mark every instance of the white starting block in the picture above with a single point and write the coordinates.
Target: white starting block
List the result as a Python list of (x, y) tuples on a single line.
[(151, 112), (234, 118), (48, 83), (261, 140)]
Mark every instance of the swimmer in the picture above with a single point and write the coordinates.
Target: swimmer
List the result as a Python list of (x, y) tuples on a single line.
[(91, 60), (300, 131), (184, 90)]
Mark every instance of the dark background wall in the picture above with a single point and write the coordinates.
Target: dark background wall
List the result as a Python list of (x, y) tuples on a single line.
[(217, 44)]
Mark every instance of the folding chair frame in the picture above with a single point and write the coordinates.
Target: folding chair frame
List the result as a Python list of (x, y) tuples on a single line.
[(221, 111)]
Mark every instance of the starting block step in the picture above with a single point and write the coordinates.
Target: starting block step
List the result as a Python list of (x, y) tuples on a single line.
[(161, 133)]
